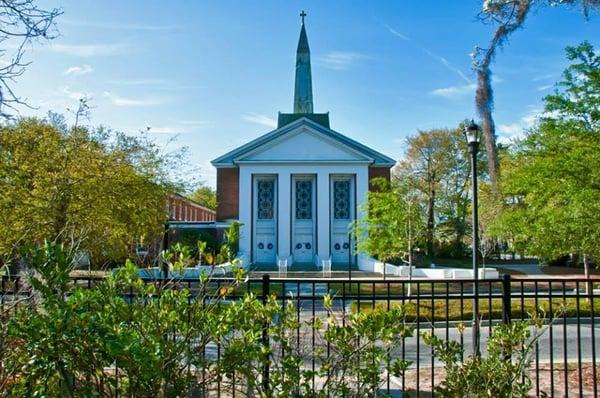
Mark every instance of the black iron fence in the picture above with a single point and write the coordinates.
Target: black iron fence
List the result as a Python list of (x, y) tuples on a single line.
[(564, 361)]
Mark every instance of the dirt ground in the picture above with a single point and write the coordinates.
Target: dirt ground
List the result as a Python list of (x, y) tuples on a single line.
[(545, 381)]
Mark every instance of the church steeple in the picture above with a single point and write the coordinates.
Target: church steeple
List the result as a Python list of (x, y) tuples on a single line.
[(303, 99)]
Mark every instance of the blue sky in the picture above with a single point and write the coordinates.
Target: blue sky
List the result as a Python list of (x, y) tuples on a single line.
[(214, 74)]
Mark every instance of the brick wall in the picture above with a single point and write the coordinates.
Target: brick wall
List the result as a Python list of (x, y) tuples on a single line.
[(228, 182), (375, 172), (183, 209)]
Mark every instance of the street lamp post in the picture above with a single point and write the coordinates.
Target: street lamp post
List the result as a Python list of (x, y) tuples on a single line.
[(472, 136)]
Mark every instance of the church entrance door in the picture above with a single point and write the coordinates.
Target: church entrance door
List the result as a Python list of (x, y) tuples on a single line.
[(265, 226), (303, 219), (341, 213)]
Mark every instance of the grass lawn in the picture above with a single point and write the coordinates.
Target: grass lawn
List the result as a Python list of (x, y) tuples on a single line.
[(467, 263), (457, 310)]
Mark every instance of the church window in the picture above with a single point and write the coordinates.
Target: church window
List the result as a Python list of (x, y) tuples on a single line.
[(303, 200), (341, 200), (265, 199)]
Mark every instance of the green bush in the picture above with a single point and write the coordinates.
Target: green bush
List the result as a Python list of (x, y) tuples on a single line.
[(136, 338), (68, 340), (500, 373), (128, 337)]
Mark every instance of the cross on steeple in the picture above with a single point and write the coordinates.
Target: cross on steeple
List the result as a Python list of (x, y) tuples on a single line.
[(303, 102)]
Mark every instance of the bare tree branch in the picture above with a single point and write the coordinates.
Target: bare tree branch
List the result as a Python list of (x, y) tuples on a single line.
[(21, 23)]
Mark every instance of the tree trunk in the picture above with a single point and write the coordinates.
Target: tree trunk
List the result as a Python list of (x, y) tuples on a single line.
[(458, 243), (484, 102), (430, 225)]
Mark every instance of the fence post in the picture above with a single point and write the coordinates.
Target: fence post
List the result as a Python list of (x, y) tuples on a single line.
[(506, 302), (265, 336)]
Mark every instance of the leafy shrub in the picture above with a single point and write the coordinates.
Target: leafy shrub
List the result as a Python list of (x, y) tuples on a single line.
[(350, 353), (500, 373), (68, 341), (129, 337)]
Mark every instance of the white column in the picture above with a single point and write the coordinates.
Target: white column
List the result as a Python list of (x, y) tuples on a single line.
[(362, 187), (323, 220), (245, 207), (283, 214)]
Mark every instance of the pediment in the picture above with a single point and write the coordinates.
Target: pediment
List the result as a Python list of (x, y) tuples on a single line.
[(303, 140), (304, 144)]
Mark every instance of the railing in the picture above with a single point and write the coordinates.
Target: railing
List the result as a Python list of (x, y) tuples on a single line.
[(564, 361)]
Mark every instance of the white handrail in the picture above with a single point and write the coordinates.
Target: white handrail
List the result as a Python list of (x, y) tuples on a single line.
[(282, 266), (326, 265)]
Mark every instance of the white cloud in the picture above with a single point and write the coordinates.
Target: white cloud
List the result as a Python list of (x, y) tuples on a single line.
[(75, 95), (514, 131), (430, 53), (140, 82), (529, 119), (79, 70), (164, 130), (544, 77), (119, 26), (86, 50), (545, 87), (132, 102), (454, 91), (178, 126), (260, 119), (195, 123), (340, 60), (447, 64), (396, 33)]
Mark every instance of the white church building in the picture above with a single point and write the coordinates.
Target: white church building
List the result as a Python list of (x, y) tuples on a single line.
[(296, 189)]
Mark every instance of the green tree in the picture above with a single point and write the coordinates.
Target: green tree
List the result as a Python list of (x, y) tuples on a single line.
[(454, 196), (424, 166), (205, 195), (102, 189), (387, 229), (552, 179), (436, 169)]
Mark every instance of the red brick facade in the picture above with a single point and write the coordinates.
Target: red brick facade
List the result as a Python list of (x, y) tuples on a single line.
[(228, 184), (375, 172), (184, 209)]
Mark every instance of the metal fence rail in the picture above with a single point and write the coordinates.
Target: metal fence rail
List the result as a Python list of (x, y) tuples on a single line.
[(564, 361)]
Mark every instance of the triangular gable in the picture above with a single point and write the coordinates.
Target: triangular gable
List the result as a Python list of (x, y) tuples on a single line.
[(303, 144), (277, 143)]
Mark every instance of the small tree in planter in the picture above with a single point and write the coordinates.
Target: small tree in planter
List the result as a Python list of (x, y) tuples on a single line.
[(387, 226), (201, 245)]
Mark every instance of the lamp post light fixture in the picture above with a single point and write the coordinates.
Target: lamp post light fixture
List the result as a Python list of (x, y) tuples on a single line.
[(472, 136)]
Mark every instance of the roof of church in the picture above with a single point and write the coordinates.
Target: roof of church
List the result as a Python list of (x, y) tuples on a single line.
[(287, 118), (230, 158)]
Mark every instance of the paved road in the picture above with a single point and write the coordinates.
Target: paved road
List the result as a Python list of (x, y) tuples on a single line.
[(529, 269), (543, 353)]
